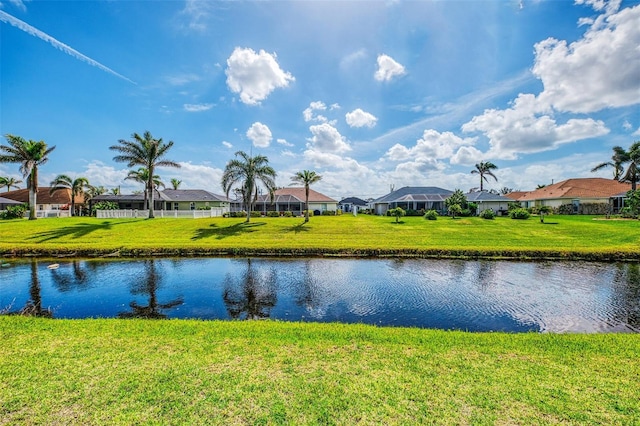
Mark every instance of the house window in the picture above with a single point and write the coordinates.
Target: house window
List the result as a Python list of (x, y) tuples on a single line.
[(175, 206), (192, 205)]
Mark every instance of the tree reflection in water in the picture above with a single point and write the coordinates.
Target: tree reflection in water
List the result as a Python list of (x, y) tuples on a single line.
[(149, 286), (252, 296), (628, 297), (33, 307), (76, 279)]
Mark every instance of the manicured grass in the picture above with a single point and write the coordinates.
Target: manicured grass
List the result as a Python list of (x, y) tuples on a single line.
[(265, 372), (560, 237)]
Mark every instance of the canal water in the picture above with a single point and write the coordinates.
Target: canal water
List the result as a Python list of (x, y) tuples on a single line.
[(445, 294)]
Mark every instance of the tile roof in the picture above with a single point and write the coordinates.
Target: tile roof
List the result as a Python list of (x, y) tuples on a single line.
[(296, 194), (415, 193), (61, 196), (578, 188), (515, 195)]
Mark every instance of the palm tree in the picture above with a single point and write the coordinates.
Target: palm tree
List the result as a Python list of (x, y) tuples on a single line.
[(632, 175), (94, 191), (175, 183), (142, 175), (619, 157), (484, 168), (9, 182), (30, 154), (115, 191), (78, 186), (306, 178), (147, 152), (247, 172)]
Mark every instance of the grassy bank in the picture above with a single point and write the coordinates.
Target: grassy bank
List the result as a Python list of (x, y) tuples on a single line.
[(560, 237), (263, 372)]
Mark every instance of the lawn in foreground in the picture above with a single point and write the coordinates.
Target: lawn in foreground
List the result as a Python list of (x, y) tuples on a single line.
[(342, 234), (265, 372)]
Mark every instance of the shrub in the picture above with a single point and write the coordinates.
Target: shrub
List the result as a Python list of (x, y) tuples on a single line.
[(288, 214), (397, 212), (566, 209), (14, 212), (465, 213), (273, 214), (513, 205), (256, 213), (431, 215), (328, 213), (104, 205), (304, 213), (412, 212), (454, 209), (488, 214), (519, 214)]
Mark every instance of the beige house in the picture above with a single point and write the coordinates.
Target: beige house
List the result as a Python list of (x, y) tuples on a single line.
[(292, 199), (584, 195), (56, 204)]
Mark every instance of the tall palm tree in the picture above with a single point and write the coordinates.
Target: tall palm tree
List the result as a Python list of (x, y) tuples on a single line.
[(247, 171), (632, 175), (30, 154), (142, 175), (9, 182), (175, 183), (77, 186), (618, 159), (485, 168), (306, 178), (147, 152)]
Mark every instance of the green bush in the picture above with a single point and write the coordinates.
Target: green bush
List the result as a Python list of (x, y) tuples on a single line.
[(273, 214), (488, 214), (328, 213), (104, 205), (412, 212), (431, 215), (288, 214), (256, 213), (14, 212), (519, 214), (304, 213)]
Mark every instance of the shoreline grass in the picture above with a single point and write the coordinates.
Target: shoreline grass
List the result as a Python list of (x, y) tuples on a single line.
[(569, 237), (265, 372)]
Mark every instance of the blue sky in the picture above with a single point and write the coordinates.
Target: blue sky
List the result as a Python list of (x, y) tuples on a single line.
[(368, 94)]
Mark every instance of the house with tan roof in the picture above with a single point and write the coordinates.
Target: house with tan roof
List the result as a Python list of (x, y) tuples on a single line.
[(56, 204), (585, 195), (292, 199)]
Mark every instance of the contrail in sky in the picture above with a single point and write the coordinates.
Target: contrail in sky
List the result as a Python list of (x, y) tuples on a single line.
[(5, 17)]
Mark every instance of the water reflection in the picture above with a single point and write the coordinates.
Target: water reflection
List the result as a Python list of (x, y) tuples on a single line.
[(148, 286), (33, 305), (252, 295), (76, 279)]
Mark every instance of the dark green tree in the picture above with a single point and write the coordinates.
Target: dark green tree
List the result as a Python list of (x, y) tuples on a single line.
[(306, 178)]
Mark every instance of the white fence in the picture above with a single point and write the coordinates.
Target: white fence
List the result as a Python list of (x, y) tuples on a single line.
[(49, 213), (195, 214)]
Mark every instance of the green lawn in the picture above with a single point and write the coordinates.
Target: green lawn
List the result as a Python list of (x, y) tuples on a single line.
[(265, 372), (560, 236)]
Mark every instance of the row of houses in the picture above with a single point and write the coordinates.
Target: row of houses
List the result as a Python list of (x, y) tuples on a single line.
[(584, 195)]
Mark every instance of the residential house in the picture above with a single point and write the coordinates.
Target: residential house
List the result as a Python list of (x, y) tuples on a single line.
[(292, 199), (489, 201), (56, 204), (584, 195), (352, 203), (5, 202), (413, 198), (169, 199)]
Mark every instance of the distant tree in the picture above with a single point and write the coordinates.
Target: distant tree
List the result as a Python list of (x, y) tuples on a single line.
[(175, 183), (30, 154), (618, 159), (142, 176), (246, 172), (484, 169), (147, 152), (306, 178), (115, 191), (504, 190), (9, 182), (542, 210), (456, 202), (632, 174), (397, 212), (78, 186)]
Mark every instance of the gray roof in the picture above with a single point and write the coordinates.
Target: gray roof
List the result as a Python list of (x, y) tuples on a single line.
[(353, 200), (486, 196), (175, 195), (415, 193), (8, 201)]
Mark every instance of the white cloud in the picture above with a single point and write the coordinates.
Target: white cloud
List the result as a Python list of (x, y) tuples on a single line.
[(636, 133), (197, 12), (197, 107), (310, 115), (353, 58), (196, 176), (327, 139), (287, 153), (284, 142), (227, 144), (626, 125), (467, 155), (388, 68), (99, 174), (19, 4), (260, 135), (599, 71), (181, 79), (528, 127), (432, 146), (360, 118), (255, 75)]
